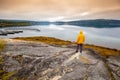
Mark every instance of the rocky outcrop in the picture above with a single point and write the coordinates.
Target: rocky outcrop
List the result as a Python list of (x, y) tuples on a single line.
[(6, 32), (114, 66), (39, 61)]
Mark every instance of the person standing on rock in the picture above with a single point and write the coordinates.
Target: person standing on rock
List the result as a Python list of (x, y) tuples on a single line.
[(80, 41)]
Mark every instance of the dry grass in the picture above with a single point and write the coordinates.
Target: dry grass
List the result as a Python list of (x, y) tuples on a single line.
[(48, 40), (2, 44), (106, 52)]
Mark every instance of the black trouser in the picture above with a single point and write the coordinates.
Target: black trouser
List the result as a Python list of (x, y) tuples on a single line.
[(79, 46)]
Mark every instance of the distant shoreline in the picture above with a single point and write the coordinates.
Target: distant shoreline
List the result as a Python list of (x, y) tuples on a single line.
[(97, 23)]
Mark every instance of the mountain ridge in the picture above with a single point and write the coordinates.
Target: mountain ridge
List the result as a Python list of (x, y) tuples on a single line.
[(97, 23)]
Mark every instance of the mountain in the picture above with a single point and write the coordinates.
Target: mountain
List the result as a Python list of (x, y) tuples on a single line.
[(98, 23), (7, 23)]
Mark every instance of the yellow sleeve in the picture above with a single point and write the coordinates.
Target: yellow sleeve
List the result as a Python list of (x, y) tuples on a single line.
[(84, 38), (78, 39)]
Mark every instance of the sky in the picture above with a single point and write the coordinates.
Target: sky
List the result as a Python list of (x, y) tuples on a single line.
[(56, 10)]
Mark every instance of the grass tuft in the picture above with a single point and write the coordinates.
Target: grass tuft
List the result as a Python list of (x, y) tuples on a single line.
[(7, 75)]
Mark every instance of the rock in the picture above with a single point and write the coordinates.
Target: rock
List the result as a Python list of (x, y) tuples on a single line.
[(114, 65), (56, 78), (98, 71), (114, 60), (39, 61), (6, 32), (11, 64)]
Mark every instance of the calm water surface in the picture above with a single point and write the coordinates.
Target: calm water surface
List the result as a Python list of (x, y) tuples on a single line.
[(108, 37)]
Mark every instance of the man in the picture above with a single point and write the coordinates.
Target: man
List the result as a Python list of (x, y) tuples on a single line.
[(80, 41)]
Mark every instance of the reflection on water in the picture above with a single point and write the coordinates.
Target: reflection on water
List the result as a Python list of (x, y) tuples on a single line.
[(108, 37)]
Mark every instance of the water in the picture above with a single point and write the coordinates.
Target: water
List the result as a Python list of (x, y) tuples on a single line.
[(108, 37)]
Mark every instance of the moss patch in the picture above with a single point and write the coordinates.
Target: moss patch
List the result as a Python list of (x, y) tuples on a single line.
[(0, 59), (1, 71), (7, 75)]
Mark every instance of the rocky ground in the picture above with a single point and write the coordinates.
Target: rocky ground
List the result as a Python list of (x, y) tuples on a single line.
[(39, 61)]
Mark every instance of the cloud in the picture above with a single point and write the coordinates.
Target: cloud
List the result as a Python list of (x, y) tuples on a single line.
[(84, 13), (44, 9), (58, 18)]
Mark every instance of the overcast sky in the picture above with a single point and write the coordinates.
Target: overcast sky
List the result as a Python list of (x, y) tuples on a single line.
[(53, 10)]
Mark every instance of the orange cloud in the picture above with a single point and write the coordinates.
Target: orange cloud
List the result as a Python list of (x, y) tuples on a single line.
[(53, 8)]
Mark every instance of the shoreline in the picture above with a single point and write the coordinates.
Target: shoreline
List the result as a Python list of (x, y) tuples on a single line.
[(104, 51), (67, 41), (28, 59)]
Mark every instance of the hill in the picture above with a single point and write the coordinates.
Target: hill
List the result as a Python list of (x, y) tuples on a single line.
[(106, 52), (28, 60), (17, 23), (98, 23)]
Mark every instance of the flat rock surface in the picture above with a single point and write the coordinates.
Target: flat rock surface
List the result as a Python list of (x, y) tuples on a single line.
[(39, 61)]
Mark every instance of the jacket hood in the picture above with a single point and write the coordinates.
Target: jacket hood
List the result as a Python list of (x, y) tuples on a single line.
[(81, 31)]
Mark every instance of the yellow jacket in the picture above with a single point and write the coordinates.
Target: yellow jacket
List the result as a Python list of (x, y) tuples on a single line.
[(81, 38)]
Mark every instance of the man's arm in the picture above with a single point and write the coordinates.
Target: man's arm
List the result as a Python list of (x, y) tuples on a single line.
[(78, 39), (84, 38)]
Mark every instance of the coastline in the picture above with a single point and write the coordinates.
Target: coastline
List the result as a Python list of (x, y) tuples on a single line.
[(26, 58), (104, 51)]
